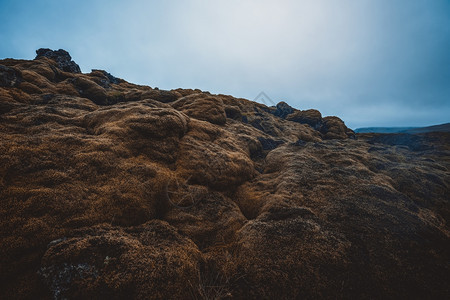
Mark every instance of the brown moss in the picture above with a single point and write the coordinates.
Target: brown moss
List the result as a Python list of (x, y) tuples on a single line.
[(334, 128), (184, 194), (136, 262), (211, 157), (91, 90), (311, 117), (67, 88), (45, 69), (30, 88), (37, 79), (19, 95), (206, 217), (149, 128), (187, 92), (202, 107)]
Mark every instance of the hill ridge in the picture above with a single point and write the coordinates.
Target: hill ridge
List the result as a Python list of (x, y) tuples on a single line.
[(445, 127), (114, 190)]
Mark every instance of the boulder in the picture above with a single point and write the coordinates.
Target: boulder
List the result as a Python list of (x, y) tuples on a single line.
[(62, 58), (311, 117), (334, 128), (283, 110)]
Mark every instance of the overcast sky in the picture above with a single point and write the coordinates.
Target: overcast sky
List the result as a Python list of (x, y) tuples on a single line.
[(370, 62)]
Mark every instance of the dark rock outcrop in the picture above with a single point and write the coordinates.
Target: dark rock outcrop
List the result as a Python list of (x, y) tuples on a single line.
[(283, 110), (329, 127), (105, 79), (62, 57), (269, 144)]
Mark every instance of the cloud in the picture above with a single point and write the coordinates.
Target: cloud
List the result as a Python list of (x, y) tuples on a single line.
[(369, 62)]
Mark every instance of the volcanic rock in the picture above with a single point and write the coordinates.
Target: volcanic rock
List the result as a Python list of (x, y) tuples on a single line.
[(114, 190), (283, 110), (62, 57)]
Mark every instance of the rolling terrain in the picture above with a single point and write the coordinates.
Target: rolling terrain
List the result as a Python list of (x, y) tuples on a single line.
[(114, 190)]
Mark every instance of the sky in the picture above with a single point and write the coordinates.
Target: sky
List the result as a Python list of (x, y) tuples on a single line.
[(369, 62)]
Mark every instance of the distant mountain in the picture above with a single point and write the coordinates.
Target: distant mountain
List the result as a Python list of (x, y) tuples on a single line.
[(383, 129), (436, 128)]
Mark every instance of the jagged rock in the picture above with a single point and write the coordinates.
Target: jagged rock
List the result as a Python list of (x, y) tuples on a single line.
[(283, 110), (62, 57), (104, 79)]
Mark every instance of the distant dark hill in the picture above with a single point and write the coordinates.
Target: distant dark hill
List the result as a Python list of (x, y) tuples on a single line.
[(436, 128), (383, 129)]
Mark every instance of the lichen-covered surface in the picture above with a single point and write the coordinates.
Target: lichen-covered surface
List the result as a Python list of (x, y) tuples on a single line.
[(114, 190)]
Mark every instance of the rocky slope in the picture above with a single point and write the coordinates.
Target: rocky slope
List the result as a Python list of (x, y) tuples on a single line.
[(114, 190)]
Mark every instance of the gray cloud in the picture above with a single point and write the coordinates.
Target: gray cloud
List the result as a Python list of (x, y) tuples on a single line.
[(380, 63)]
